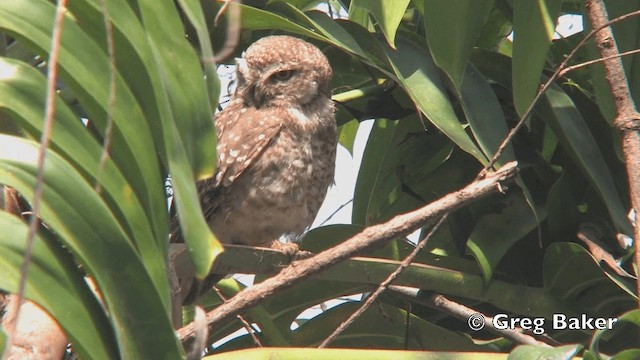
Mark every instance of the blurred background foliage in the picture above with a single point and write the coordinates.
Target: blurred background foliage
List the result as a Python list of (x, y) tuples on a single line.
[(443, 81)]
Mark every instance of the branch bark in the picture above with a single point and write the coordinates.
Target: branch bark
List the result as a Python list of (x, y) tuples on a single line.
[(441, 303), (627, 119), (369, 239)]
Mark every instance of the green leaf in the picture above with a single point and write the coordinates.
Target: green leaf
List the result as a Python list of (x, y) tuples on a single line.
[(449, 42), (189, 116), (382, 325), (322, 24), (190, 110), (560, 113), (445, 280), (55, 284), (194, 12), (349, 354), (286, 306), (488, 124), (631, 317), (419, 77), (324, 237), (143, 80), (534, 24), (359, 15), (23, 89), (563, 217), (258, 19), (377, 175), (405, 166), (87, 73), (441, 274), (534, 352), (495, 234), (379, 147), (347, 134), (493, 34), (572, 274), (388, 14), (100, 245), (186, 142), (486, 118)]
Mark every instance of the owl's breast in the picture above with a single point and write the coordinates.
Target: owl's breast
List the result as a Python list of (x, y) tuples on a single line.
[(281, 191), (285, 170)]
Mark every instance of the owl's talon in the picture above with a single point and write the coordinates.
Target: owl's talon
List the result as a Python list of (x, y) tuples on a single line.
[(288, 248)]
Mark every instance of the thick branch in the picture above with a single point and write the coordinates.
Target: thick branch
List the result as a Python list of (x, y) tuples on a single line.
[(370, 238), (627, 119)]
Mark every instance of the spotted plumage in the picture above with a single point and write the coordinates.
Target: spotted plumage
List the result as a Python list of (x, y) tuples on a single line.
[(276, 145)]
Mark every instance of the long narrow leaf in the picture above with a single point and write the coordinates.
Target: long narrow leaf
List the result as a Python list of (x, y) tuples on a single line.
[(23, 89), (136, 308), (55, 283), (388, 14), (419, 76), (86, 71), (534, 23), (449, 42)]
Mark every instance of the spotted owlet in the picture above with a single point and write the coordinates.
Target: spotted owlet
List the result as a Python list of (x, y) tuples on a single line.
[(276, 145)]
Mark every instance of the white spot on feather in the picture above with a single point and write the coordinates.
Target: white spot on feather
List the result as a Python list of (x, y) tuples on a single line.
[(298, 114)]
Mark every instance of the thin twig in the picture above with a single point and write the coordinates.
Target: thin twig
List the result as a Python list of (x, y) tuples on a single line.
[(244, 322), (383, 286), (34, 222), (462, 312), (595, 61), (233, 29), (108, 132), (335, 212), (543, 89)]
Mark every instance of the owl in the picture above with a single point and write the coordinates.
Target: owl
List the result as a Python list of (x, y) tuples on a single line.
[(276, 145)]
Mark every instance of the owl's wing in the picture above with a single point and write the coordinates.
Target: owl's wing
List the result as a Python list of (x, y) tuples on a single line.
[(242, 138)]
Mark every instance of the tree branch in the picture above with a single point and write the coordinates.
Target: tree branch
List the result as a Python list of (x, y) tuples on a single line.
[(369, 239), (441, 303), (627, 119)]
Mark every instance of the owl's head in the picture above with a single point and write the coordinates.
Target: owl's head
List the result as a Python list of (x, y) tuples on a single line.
[(281, 71)]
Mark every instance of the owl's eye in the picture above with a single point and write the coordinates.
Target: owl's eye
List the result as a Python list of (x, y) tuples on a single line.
[(283, 75)]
